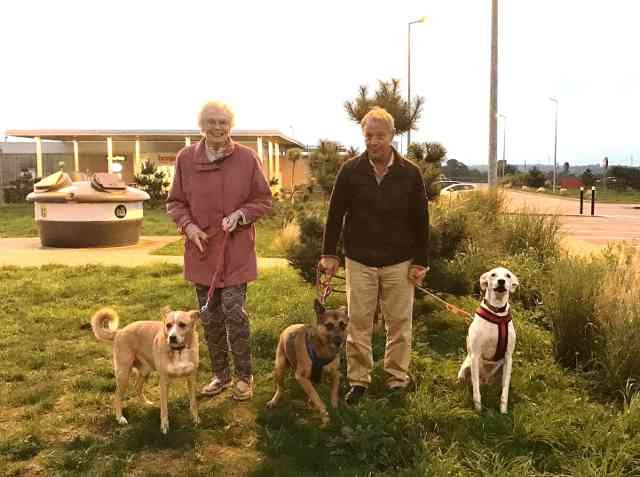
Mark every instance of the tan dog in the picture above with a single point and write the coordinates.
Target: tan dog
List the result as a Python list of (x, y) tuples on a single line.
[(308, 349), (169, 346)]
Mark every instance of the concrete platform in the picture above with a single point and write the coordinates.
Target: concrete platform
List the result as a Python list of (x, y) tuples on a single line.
[(28, 252)]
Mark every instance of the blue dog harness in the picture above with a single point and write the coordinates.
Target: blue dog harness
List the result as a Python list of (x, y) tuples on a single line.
[(317, 363)]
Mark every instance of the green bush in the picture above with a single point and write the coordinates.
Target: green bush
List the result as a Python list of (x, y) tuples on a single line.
[(19, 189), (516, 179), (304, 256), (536, 178), (531, 233), (472, 236), (570, 305), (154, 182), (324, 164), (487, 206), (618, 315), (449, 228)]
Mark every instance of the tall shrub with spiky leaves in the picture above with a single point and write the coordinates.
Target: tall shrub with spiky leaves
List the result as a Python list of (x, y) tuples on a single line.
[(390, 97), (428, 156)]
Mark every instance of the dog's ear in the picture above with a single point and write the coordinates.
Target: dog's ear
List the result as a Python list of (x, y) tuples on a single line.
[(515, 283), (484, 280), (343, 309), (165, 311), (319, 308), (195, 315)]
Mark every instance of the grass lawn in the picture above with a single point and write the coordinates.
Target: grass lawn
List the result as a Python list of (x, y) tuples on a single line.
[(57, 384), (16, 220), (266, 246)]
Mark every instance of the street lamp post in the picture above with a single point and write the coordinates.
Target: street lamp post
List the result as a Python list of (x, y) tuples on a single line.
[(555, 146), (504, 142), (421, 20)]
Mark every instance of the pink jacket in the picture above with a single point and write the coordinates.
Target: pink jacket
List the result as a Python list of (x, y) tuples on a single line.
[(204, 192)]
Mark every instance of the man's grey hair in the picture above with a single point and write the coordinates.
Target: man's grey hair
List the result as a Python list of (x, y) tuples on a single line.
[(219, 105), (379, 114)]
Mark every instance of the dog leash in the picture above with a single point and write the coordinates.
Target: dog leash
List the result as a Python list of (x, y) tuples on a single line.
[(323, 285), (324, 289), (448, 306), (220, 267)]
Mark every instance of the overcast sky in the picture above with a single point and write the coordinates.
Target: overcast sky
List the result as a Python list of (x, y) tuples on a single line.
[(290, 65)]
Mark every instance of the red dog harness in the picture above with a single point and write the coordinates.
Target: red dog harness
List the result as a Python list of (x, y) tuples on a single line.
[(503, 330)]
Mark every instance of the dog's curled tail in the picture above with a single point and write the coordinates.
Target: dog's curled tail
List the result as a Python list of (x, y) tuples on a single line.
[(104, 324)]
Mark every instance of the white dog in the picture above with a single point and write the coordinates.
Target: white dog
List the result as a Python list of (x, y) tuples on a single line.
[(491, 338)]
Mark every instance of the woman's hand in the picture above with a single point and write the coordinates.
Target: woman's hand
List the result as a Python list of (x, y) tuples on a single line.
[(197, 236)]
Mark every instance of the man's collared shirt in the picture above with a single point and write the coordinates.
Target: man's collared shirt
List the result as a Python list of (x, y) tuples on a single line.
[(386, 169)]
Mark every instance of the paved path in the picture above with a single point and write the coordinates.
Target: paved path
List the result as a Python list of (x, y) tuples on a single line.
[(27, 252), (613, 222)]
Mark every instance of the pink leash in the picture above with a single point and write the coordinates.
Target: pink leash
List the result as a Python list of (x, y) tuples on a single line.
[(220, 268)]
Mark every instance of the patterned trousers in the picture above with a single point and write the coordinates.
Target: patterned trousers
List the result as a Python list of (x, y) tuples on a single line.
[(226, 329)]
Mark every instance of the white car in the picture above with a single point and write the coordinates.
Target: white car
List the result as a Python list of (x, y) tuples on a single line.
[(454, 191)]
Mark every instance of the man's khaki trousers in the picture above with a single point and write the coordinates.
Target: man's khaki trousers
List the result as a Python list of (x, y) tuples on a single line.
[(363, 285)]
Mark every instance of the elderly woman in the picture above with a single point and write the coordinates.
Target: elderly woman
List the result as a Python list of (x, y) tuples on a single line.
[(218, 189), (379, 198)]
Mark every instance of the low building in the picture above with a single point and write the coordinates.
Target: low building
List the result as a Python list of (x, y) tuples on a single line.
[(125, 151), (570, 182)]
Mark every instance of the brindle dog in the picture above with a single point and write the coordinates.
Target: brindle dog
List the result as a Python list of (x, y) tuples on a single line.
[(307, 350)]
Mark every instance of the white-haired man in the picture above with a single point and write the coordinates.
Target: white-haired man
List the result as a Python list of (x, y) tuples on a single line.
[(219, 187), (379, 200)]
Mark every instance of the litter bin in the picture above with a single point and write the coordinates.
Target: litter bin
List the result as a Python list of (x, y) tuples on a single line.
[(102, 212)]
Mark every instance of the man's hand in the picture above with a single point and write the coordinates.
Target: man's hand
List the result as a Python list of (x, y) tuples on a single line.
[(417, 274), (329, 265), (230, 222), (197, 236)]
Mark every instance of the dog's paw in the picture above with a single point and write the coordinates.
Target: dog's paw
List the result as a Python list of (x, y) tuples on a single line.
[(325, 420), (271, 404), (477, 406), (503, 409), (122, 420), (196, 420), (164, 427), (464, 375)]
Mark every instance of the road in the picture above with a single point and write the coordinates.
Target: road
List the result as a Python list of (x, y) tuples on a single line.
[(612, 222)]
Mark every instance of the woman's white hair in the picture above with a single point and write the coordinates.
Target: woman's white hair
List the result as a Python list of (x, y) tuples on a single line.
[(379, 114), (220, 106)]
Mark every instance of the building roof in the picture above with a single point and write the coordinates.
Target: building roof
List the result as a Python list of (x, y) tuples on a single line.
[(143, 134)]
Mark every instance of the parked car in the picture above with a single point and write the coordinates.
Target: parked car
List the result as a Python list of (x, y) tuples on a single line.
[(439, 185), (454, 191)]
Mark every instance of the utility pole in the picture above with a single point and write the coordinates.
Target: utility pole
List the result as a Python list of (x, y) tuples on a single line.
[(421, 20), (555, 146), (493, 101)]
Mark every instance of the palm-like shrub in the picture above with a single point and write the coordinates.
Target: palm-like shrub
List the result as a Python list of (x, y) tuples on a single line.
[(154, 182)]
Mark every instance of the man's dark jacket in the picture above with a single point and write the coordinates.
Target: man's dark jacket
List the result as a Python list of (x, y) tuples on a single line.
[(383, 224)]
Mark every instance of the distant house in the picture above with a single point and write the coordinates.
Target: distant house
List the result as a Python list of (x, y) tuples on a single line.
[(570, 182), (124, 151)]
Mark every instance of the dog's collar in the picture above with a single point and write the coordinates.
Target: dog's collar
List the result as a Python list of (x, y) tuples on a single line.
[(492, 316), (494, 309)]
